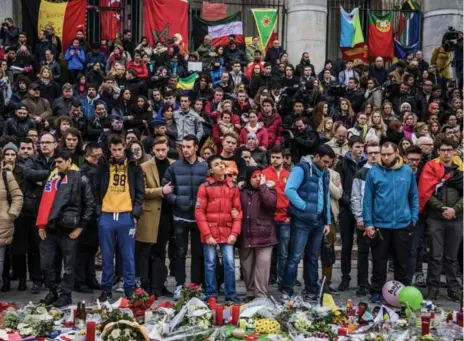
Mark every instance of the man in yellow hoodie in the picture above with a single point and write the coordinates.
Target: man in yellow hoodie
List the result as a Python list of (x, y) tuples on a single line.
[(120, 194)]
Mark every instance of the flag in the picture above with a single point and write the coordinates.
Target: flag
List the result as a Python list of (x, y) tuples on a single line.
[(380, 35), (213, 11), (187, 83), (408, 33), (359, 51), (164, 18), (38, 13), (350, 28), (266, 20), (110, 18), (219, 30)]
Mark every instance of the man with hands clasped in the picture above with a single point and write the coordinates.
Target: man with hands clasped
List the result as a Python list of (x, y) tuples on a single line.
[(219, 218)]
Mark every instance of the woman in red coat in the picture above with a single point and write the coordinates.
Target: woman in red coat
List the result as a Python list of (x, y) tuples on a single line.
[(138, 65), (219, 217)]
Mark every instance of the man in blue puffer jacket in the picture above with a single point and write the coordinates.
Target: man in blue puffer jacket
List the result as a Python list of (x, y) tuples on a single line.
[(308, 192), (390, 212)]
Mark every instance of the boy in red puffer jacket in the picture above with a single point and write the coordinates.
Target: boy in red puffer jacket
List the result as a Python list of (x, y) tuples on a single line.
[(218, 214)]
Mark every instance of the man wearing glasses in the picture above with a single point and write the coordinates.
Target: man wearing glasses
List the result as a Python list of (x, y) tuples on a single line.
[(440, 194), (390, 212), (36, 171)]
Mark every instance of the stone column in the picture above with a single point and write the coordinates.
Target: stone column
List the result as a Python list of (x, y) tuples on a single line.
[(307, 31), (438, 16)]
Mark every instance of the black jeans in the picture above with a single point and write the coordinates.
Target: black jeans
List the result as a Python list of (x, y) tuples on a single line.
[(363, 259), (55, 241), (182, 231), (347, 228), (445, 239), (85, 264), (33, 255), (399, 242)]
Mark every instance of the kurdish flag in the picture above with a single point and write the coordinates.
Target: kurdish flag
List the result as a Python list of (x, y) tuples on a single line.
[(218, 30), (266, 20), (39, 13), (380, 35), (351, 32), (188, 82)]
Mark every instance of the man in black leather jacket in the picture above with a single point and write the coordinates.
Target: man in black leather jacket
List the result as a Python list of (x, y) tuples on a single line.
[(60, 220)]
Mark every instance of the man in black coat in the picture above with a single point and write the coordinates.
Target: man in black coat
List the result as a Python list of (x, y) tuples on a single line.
[(304, 141), (85, 276)]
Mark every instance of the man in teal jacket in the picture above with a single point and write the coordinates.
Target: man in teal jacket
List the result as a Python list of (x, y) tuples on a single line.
[(390, 212)]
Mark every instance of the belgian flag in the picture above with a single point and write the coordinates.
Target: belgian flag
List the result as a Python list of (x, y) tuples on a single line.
[(65, 17)]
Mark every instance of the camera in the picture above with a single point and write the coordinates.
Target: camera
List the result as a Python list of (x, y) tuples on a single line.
[(337, 90)]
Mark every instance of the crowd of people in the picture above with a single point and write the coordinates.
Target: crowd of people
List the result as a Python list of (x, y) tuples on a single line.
[(102, 152)]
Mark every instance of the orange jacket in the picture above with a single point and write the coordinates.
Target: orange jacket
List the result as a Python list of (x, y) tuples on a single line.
[(280, 181)]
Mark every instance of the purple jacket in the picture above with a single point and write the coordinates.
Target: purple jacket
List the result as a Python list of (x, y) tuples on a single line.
[(258, 228)]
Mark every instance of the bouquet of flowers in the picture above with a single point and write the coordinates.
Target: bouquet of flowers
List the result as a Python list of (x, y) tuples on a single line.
[(124, 331), (140, 301), (190, 291), (36, 322)]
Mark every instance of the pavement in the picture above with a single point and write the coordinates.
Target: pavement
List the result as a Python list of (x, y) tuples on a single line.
[(23, 298)]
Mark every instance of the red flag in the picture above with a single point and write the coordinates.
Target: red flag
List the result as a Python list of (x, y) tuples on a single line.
[(110, 18), (213, 11), (164, 18), (381, 35)]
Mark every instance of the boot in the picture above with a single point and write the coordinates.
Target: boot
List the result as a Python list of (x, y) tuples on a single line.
[(22, 284), (6, 284), (51, 297)]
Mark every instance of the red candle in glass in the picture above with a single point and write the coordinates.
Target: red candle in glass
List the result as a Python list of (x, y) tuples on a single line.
[(90, 332), (460, 319), (342, 331), (425, 323), (235, 314), (219, 315), (212, 303)]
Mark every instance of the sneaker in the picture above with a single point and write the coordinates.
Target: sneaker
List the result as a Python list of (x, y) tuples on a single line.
[(63, 301), (284, 298), (362, 291), (344, 285), (178, 292), (419, 280), (455, 296), (83, 289), (331, 289), (36, 288), (51, 297), (310, 298), (298, 283), (119, 287), (105, 296), (375, 298), (233, 300)]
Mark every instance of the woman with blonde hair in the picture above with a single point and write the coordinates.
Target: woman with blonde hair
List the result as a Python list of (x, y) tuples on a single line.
[(345, 113), (325, 130), (49, 89), (377, 128)]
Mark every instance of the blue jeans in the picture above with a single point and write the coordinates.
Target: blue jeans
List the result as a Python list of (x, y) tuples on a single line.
[(228, 262), (123, 229), (283, 236), (304, 240)]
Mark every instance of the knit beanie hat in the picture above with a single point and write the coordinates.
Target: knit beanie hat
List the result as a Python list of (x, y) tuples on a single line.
[(10, 146)]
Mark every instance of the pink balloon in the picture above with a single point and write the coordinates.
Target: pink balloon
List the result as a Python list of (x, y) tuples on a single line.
[(391, 291)]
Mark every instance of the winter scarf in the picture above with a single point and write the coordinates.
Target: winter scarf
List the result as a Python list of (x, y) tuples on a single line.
[(48, 197)]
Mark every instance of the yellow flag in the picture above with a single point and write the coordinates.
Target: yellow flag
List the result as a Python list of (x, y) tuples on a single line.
[(52, 13)]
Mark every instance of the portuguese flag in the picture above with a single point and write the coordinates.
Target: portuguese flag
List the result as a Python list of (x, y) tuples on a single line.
[(381, 35)]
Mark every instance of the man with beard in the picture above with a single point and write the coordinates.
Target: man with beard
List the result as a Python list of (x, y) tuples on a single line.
[(62, 105), (19, 124), (89, 103), (378, 71), (37, 106), (304, 141), (390, 212)]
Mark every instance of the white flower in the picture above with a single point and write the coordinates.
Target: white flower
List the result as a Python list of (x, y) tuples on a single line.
[(115, 333)]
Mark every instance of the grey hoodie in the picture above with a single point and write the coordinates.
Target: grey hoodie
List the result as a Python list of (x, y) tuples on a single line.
[(357, 191)]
